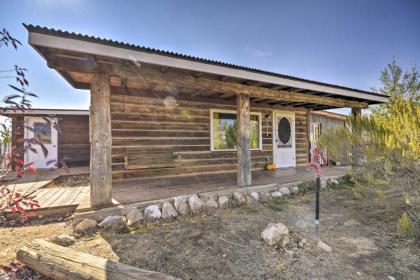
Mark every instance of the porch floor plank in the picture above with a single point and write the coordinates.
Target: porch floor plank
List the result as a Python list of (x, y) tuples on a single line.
[(43, 195), (67, 197), (148, 189), (58, 192), (156, 188)]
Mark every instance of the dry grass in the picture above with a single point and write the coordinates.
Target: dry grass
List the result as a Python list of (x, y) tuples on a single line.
[(227, 244)]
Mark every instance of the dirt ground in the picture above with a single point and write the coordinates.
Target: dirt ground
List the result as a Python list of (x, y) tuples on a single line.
[(12, 238), (227, 245)]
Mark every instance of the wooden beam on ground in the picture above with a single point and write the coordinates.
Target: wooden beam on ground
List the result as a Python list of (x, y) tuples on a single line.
[(100, 146), (58, 262), (243, 141)]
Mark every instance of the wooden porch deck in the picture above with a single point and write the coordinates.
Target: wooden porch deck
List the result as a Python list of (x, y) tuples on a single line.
[(157, 188), (60, 200), (55, 200)]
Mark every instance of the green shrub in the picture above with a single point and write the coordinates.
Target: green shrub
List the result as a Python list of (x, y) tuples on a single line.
[(383, 148), (404, 225)]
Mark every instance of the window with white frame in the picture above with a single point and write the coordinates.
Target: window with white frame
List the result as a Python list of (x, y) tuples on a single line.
[(223, 130)]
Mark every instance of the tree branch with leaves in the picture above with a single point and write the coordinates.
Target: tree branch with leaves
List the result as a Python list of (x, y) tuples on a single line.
[(20, 99)]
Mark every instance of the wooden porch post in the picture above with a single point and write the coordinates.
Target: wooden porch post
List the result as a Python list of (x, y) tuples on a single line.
[(100, 145), (356, 113), (242, 140)]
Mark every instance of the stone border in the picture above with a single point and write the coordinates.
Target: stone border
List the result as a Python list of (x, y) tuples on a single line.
[(137, 214)]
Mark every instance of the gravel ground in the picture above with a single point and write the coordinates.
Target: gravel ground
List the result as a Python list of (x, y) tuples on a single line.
[(227, 244)]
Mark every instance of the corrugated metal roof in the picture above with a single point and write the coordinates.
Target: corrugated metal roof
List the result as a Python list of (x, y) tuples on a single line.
[(44, 111), (93, 39)]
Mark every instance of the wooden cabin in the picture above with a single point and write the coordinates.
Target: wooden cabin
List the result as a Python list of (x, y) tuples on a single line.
[(157, 115), (64, 133)]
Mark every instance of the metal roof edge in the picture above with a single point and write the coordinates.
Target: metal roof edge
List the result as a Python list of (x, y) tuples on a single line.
[(92, 39)]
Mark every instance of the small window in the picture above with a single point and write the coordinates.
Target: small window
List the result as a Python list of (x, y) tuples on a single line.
[(223, 126), (284, 130), (42, 132)]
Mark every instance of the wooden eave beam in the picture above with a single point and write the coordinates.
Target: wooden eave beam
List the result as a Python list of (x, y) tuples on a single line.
[(253, 83), (198, 92), (164, 69), (227, 95), (188, 81), (227, 87), (300, 104), (298, 90), (277, 87), (91, 65)]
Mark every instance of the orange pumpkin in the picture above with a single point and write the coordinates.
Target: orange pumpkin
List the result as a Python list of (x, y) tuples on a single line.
[(270, 166)]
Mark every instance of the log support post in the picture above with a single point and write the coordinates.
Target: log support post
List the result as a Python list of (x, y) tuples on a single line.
[(356, 113), (100, 145), (243, 141)]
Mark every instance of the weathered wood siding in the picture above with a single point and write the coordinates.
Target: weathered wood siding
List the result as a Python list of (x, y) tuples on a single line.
[(18, 124), (147, 121), (302, 138), (73, 143)]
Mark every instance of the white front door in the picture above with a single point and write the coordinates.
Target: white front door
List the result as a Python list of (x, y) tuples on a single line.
[(284, 139), (44, 132)]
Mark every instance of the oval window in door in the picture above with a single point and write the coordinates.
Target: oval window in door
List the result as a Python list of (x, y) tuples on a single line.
[(284, 130)]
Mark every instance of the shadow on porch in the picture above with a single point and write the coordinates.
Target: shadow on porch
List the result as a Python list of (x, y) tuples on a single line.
[(140, 190), (64, 199)]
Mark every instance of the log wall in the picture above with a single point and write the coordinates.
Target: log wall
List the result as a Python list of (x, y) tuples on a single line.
[(18, 135), (73, 143), (145, 122)]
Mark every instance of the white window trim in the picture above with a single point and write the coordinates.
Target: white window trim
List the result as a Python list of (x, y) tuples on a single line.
[(259, 114)]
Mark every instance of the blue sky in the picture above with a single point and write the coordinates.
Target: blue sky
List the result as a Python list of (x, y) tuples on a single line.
[(340, 42)]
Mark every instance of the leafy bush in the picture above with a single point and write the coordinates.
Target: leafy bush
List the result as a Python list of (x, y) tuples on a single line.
[(11, 162), (383, 147)]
